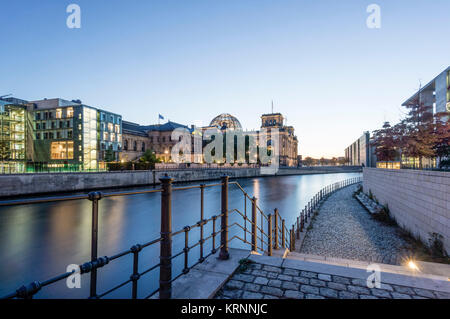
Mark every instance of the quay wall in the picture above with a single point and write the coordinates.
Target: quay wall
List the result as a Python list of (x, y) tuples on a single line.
[(41, 183), (418, 200)]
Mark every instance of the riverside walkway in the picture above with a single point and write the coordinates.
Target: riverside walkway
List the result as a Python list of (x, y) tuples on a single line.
[(344, 229)]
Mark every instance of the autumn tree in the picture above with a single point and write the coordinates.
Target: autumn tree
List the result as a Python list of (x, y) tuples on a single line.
[(419, 137), (385, 141)]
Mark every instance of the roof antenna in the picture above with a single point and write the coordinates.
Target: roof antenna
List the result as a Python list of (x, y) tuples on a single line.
[(272, 106)]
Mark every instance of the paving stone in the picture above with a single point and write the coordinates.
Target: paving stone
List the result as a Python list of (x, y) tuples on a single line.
[(252, 287), (255, 266), (404, 290), (291, 272), (358, 290), (367, 297), (380, 293), (359, 282), (301, 280), (272, 269), (274, 283), (285, 277), (347, 295), (442, 295), (293, 294), (251, 295), (272, 275), (309, 289), (336, 286), (233, 294), (312, 296), (386, 287), (272, 291), (261, 281), (290, 285), (327, 292), (243, 277), (419, 297), (424, 293), (258, 272), (317, 283), (308, 274), (324, 277), (397, 295), (270, 297), (341, 280), (234, 284)]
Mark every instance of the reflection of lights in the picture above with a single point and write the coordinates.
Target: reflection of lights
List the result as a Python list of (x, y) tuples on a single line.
[(412, 265)]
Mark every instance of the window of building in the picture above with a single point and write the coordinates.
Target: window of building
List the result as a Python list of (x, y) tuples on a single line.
[(110, 127), (44, 125), (70, 112), (135, 146), (58, 135), (45, 136), (117, 128), (38, 116), (105, 136), (61, 150), (125, 145), (58, 113), (164, 139), (69, 134), (38, 136), (143, 147), (38, 126)]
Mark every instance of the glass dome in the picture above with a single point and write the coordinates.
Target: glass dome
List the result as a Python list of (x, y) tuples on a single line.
[(226, 121)]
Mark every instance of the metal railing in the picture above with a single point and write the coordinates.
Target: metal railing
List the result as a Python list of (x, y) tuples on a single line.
[(262, 239)]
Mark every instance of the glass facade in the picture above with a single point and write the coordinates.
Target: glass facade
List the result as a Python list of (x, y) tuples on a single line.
[(89, 138), (12, 139)]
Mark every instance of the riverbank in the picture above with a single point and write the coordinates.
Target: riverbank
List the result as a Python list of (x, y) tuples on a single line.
[(43, 183)]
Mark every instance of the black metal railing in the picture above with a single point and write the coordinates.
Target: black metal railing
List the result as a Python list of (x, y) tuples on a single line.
[(271, 233)]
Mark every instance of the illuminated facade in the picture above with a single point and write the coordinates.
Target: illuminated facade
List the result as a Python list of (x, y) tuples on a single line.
[(360, 153), (12, 138)]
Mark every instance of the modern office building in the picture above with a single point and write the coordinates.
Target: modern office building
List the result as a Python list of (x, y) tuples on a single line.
[(74, 136), (436, 94), (57, 134), (360, 153)]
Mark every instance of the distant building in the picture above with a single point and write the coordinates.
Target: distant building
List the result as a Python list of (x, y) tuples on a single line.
[(360, 153)]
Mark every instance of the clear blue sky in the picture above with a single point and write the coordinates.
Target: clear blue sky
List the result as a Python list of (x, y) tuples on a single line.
[(190, 60)]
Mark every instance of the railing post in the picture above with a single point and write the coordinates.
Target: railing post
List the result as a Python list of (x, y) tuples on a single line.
[(165, 272), (94, 197), (283, 235), (202, 218), (292, 239), (270, 234), (224, 255), (298, 227), (254, 225), (276, 228)]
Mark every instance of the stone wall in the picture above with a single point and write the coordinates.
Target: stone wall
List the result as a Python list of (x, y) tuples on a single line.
[(418, 200), (27, 184)]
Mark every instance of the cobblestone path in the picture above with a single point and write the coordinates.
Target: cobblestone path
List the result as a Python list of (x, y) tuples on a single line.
[(260, 281), (344, 229)]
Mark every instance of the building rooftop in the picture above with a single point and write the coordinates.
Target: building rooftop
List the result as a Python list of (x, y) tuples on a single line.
[(431, 86)]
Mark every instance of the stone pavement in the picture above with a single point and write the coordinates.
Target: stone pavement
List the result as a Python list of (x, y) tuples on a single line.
[(344, 229), (276, 278)]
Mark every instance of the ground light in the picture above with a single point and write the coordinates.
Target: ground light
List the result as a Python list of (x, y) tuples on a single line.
[(412, 265)]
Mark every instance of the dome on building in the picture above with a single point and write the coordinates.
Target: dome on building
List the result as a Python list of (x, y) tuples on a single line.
[(226, 121)]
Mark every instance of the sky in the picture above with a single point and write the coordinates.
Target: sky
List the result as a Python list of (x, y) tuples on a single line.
[(329, 74)]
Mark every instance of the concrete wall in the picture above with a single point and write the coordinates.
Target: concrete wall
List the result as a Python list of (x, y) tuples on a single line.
[(419, 200)]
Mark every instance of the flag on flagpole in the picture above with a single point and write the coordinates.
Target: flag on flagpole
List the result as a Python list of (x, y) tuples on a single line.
[(160, 117)]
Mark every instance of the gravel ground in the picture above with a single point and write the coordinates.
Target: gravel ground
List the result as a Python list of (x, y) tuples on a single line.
[(344, 229)]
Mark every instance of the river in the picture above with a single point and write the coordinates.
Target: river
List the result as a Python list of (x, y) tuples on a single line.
[(39, 241)]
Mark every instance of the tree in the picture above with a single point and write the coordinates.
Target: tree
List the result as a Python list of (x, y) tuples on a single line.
[(385, 143), (308, 161), (109, 155), (419, 138), (149, 157), (442, 132), (322, 161)]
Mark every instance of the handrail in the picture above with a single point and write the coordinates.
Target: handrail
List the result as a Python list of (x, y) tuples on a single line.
[(276, 235)]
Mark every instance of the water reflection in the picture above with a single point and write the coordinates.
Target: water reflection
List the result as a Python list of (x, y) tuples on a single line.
[(39, 241)]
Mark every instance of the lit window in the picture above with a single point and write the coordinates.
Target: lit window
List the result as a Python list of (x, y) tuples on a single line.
[(70, 112), (61, 150), (58, 113), (110, 127)]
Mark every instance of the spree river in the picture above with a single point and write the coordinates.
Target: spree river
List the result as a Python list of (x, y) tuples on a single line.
[(39, 241)]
